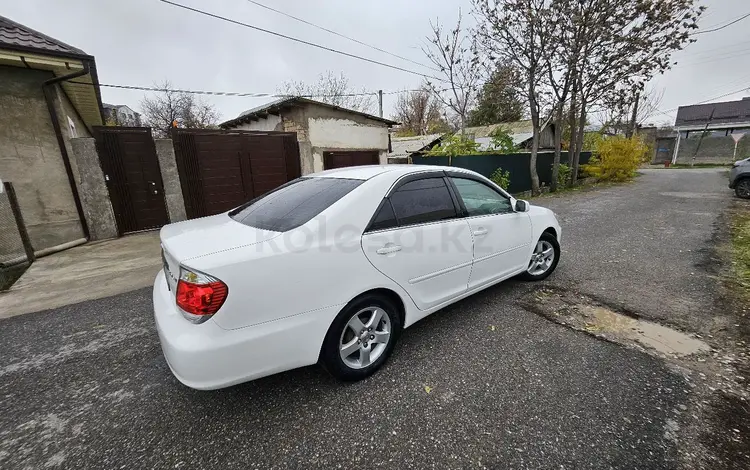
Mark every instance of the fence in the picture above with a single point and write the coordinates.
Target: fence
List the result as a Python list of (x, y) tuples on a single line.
[(517, 164), (16, 253)]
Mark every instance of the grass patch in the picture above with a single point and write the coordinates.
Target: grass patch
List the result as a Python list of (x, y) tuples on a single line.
[(740, 233), (584, 186)]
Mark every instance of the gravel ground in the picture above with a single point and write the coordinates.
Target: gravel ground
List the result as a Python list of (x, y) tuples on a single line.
[(86, 386)]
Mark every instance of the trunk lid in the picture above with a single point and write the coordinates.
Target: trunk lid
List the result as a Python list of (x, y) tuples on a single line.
[(190, 239)]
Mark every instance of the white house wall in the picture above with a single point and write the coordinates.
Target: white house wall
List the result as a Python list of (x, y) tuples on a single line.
[(330, 134)]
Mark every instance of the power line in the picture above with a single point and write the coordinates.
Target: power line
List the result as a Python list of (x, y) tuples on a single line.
[(723, 26), (301, 20), (706, 101), (244, 94), (301, 41), (715, 58)]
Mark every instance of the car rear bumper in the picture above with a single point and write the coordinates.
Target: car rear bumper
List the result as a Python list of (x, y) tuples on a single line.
[(207, 357)]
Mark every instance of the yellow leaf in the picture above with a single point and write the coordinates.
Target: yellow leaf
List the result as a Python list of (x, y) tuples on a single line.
[(492, 327), (427, 388)]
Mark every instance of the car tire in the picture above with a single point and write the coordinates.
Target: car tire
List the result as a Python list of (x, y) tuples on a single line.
[(742, 188), (544, 264), (342, 338)]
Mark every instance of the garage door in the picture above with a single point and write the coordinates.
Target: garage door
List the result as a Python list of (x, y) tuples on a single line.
[(350, 158), (220, 170)]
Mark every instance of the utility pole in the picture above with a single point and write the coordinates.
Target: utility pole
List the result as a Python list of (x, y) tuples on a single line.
[(380, 103), (703, 134)]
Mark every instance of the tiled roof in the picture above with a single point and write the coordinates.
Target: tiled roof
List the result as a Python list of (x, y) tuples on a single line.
[(13, 35), (726, 112)]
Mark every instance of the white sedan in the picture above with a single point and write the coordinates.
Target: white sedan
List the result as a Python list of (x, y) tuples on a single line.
[(331, 267)]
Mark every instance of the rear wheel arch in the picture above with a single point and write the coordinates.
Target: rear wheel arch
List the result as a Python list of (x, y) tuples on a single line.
[(390, 295)]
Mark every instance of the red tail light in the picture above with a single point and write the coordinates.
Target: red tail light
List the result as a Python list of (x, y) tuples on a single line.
[(199, 295)]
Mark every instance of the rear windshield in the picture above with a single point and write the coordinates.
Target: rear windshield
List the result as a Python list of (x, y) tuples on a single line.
[(293, 204)]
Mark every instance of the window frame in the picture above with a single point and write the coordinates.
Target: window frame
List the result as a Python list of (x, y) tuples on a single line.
[(457, 204), (496, 190)]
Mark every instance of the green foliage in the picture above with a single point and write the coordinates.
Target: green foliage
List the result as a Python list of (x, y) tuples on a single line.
[(501, 178), (501, 142), (616, 158), (499, 99), (563, 175), (454, 145), (591, 141), (404, 132)]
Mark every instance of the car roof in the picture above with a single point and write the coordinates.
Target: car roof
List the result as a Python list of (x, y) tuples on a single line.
[(366, 172)]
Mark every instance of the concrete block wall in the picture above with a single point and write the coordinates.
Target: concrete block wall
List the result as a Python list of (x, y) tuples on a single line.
[(171, 179), (30, 158), (719, 150), (295, 120), (92, 189)]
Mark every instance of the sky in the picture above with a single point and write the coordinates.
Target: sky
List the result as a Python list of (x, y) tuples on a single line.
[(143, 42)]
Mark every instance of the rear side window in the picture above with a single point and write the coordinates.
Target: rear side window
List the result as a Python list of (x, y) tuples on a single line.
[(385, 218), (294, 204), (421, 201)]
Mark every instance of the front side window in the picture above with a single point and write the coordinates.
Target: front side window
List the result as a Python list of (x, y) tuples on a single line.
[(422, 201), (293, 204), (480, 199)]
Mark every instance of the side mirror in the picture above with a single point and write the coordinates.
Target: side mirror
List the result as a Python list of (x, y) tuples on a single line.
[(522, 206)]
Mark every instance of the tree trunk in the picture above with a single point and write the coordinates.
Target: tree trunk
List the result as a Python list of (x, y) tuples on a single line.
[(534, 142), (572, 119), (633, 124), (558, 147), (579, 142)]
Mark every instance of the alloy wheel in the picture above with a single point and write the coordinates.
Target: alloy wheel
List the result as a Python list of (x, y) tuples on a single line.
[(542, 258), (743, 188), (365, 337)]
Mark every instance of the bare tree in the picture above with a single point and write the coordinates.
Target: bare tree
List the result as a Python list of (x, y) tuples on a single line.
[(332, 89), (169, 107), (517, 32), (455, 56), (420, 112), (624, 44), (624, 113)]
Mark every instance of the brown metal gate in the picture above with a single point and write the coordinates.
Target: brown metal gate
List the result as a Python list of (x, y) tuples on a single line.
[(220, 169), (339, 159), (131, 171)]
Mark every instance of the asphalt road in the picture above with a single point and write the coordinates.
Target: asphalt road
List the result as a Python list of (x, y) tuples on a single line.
[(86, 386)]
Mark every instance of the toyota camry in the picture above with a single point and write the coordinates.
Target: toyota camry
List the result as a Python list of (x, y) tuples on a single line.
[(331, 267)]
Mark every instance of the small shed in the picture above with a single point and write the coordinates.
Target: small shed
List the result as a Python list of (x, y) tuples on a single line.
[(520, 131), (403, 147), (329, 136)]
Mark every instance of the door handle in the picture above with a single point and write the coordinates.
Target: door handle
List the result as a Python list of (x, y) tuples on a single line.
[(387, 250), (481, 231)]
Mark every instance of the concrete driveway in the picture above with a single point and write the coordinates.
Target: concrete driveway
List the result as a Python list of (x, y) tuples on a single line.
[(485, 383), (91, 271)]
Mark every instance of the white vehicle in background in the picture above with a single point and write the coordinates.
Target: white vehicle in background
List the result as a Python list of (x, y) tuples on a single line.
[(331, 268)]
